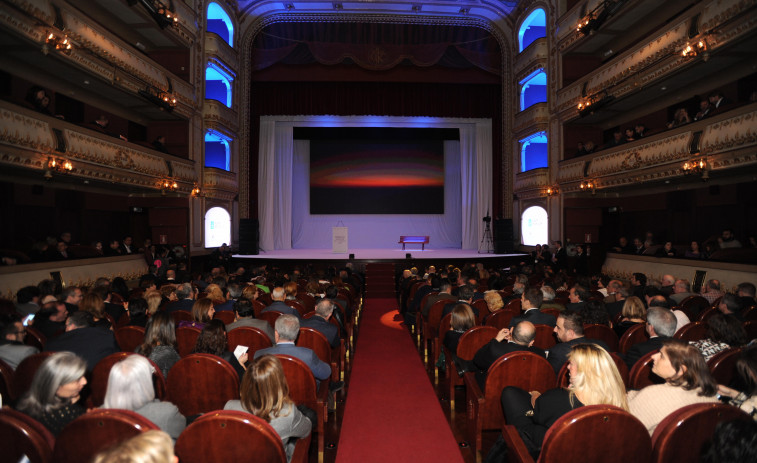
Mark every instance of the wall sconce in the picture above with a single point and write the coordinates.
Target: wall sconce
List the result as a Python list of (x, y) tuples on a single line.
[(697, 166), (162, 98), (166, 185), (61, 44), (586, 25), (62, 166), (162, 14), (197, 192), (552, 190), (588, 185), (692, 50)]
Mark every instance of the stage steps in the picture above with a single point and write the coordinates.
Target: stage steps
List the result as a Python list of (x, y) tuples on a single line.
[(379, 280)]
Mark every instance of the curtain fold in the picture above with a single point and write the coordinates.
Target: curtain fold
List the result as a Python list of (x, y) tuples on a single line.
[(283, 188), (266, 183)]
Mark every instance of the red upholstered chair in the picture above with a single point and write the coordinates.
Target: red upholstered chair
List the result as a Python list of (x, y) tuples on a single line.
[(124, 320), (25, 371), (682, 435), (723, 365), (514, 305), (431, 325), (7, 384), (186, 338), (317, 342), (483, 310), (307, 300), (545, 337), (257, 307), (226, 316), (303, 390), (254, 338), (641, 374), (24, 436), (35, 338), (298, 306), (750, 327), (692, 306), (181, 316), (603, 333), (99, 377), (501, 318), (200, 383), (236, 436), (470, 342), (707, 314), (129, 337), (633, 335), (96, 431), (694, 331), (444, 326), (563, 377), (525, 370), (552, 311), (425, 299), (590, 434), (265, 298), (270, 317)]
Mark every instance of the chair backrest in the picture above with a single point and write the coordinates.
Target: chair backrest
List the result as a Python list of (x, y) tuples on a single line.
[(682, 435), (445, 325), (271, 316), (694, 331), (500, 319), (297, 305), (99, 377), (514, 305), (750, 313), (96, 431), (552, 311), (129, 337), (227, 430), (23, 436), (315, 341), (302, 386), (25, 371), (425, 299), (254, 338), (181, 316), (307, 300), (473, 340), (633, 335), (186, 338), (435, 313), (265, 298), (226, 316), (723, 365), (35, 338), (603, 333), (545, 337), (750, 326), (641, 374), (7, 383), (594, 434), (692, 306), (707, 314), (483, 310), (200, 383), (257, 307)]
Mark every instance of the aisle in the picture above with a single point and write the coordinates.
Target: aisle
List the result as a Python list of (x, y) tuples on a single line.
[(392, 413)]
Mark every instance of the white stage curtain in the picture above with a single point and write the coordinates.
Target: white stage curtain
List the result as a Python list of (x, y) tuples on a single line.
[(284, 193)]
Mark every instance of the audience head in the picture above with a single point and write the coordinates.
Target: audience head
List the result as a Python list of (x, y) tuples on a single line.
[(251, 292), (730, 304), (668, 280), (184, 291), (532, 298), (146, 447), (78, 319), (445, 286), (746, 366), (547, 293), (595, 377), (746, 290), (682, 286), (290, 290), (570, 325), (465, 293), (11, 328), (137, 307), (160, 330), (324, 308), (681, 364), (278, 294), (287, 327), (662, 321), (212, 339), (215, 293), (93, 304), (71, 295), (579, 294), (57, 383), (734, 441), (235, 291), (727, 329), (332, 292), (594, 313), (524, 333), (264, 391), (243, 308), (130, 384), (659, 301), (633, 309), (27, 294), (153, 298), (493, 301), (202, 310), (462, 318)]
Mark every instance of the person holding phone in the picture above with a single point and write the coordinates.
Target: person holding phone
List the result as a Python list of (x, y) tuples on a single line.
[(12, 334)]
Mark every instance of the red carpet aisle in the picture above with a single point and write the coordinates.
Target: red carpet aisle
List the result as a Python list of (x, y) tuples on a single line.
[(392, 413)]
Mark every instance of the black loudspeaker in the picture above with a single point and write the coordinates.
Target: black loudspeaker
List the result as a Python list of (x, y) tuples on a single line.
[(503, 236), (249, 236)]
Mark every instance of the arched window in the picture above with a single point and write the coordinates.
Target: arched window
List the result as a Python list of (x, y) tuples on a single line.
[(220, 23), (534, 27), (533, 151), (533, 89), (534, 226), (217, 153), (217, 227), (218, 84)]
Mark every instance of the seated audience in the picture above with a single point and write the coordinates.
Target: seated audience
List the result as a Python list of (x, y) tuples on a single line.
[(723, 332), (667, 250), (594, 313), (91, 344), (160, 342), (265, 393), (632, 314), (531, 304), (661, 325), (681, 117), (27, 300), (548, 299), (711, 291), (746, 292), (570, 331), (727, 240), (493, 301), (245, 316), (137, 308), (279, 295), (146, 447), (694, 252), (130, 387), (464, 296), (12, 334), (731, 305), (687, 381), (95, 306), (212, 340), (154, 299), (320, 322), (746, 366), (53, 398), (462, 320), (705, 109), (202, 314)]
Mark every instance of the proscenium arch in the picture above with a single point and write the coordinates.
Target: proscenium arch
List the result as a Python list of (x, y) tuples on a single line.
[(508, 91)]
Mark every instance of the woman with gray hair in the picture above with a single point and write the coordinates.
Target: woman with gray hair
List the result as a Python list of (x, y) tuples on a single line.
[(53, 398), (130, 388)]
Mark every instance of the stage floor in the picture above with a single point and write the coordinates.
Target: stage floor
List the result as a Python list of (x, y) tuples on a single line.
[(372, 254)]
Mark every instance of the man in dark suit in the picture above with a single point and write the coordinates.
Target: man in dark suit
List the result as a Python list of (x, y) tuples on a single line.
[(286, 329), (530, 302), (12, 334), (185, 295), (614, 307), (570, 331), (245, 316), (560, 257), (278, 295), (465, 296), (432, 284), (91, 344), (578, 297), (661, 325), (71, 296), (320, 322), (445, 294), (518, 338)]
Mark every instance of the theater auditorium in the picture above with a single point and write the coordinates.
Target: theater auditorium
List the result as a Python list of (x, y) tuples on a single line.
[(371, 231)]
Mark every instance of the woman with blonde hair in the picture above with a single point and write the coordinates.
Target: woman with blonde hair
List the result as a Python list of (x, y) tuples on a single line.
[(633, 313), (202, 313), (250, 292), (215, 294), (146, 447), (265, 394), (154, 298), (493, 302), (594, 380), (462, 320)]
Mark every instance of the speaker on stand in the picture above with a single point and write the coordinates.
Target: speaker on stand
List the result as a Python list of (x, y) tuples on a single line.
[(503, 236), (249, 236)]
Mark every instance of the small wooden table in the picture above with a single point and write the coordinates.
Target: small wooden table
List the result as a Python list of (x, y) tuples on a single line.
[(422, 240)]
